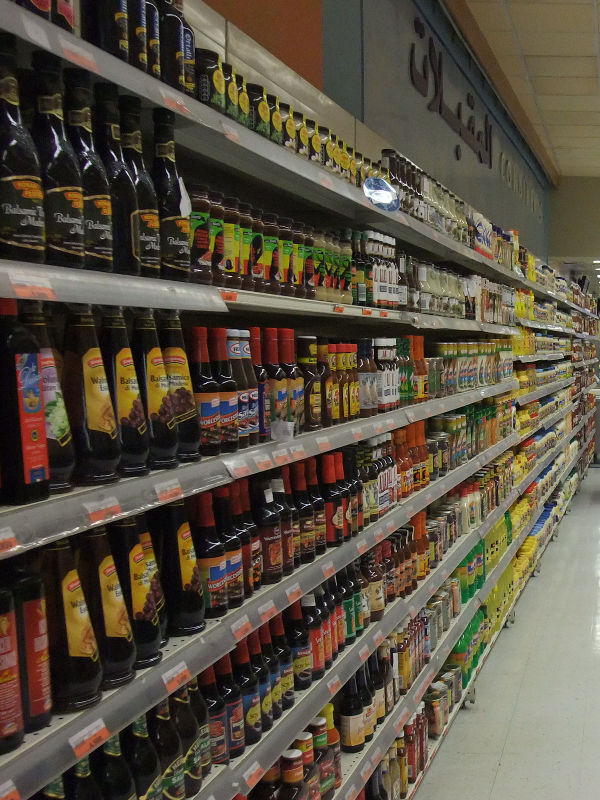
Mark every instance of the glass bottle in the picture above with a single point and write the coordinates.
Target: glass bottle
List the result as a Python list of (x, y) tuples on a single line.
[(200, 261), (368, 702), (262, 380), (269, 529), (12, 732), (352, 732), (172, 64), (294, 379), (307, 360), (232, 544), (232, 696), (312, 775), (283, 653), (323, 757), (238, 373), (206, 390), (334, 512), (274, 667), (200, 709), (217, 717), (142, 759), (252, 422), (188, 730), (279, 399), (111, 772), (80, 784), (263, 677), (106, 27), (312, 620), (210, 555), (299, 642), (228, 393), (248, 681), (318, 504), (293, 786), (167, 743), (305, 511)]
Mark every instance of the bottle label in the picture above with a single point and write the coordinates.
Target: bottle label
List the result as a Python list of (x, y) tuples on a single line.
[(235, 576), (159, 402), (154, 791), (200, 249), (9, 91), (264, 410), (350, 618), (307, 536), (327, 648), (175, 243), (31, 417), (99, 410), (296, 275), (257, 256), (22, 206), (38, 658), (130, 411), (80, 633), (231, 248), (244, 252), (320, 529), (63, 207), (272, 555), (209, 416), (358, 615), (187, 559), (216, 244), (370, 718), (252, 711), (352, 730), (152, 568), (192, 763), (380, 702), (309, 267), (327, 771), (270, 259), (205, 758), (173, 780), (235, 726), (302, 656), (11, 714), (189, 61), (82, 768), (149, 239), (257, 561), (334, 520), (317, 648), (213, 575), (116, 618), (276, 690), (180, 384), (143, 605), (287, 683), (228, 405), (98, 239), (266, 700), (219, 748), (253, 409), (340, 618), (278, 399), (285, 258)]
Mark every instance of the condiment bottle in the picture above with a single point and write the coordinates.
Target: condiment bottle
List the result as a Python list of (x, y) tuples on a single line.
[(289, 522), (200, 261), (312, 775), (79, 782), (323, 757), (238, 372), (293, 786), (352, 732), (253, 388), (340, 614), (272, 662), (264, 395), (142, 759), (286, 662), (252, 528), (333, 741), (231, 243), (286, 256), (268, 523), (299, 642), (318, 504), (329, 604), (152, 567), (309, 263), (200, 709), (307, 359), (12, 728), (228, 390), (125, 393), (312, 620), (210, 556), (344, 490), (323, 611), (278, 390), (305, 511), (296, 271), (232, 696), (257, 251), (88, 402), (247, 679), (246, 236), (326, 379), (268, 786), (334, 512), (294, 379), (217, 716), (110, 770), (348, 590), (232, 544), (271, 266), (246, 533), (154, 390), (336, 385), (368, 700), (376, 585), (188, 730), (167, 743), (153, 38), (206, 391)]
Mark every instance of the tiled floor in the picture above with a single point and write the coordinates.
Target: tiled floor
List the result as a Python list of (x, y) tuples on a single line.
[(534, 731)]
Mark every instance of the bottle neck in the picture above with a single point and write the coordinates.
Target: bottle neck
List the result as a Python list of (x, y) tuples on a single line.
[(9, 94), (164, 145), (131, 140), (79, 118), (108, 137)]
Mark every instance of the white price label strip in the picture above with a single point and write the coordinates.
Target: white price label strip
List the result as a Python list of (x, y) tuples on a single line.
[(89, 738), (168, 490), (242, 627), (175, 677), (102, 510)]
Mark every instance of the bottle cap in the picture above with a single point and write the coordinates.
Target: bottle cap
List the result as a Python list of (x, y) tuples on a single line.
[(285, 341), (311, 471), (240, 654), (328, 468), (339, 465), (292, 770), (8, 307), (204, 510), (207, 677), (254, 644), (285, 474), (223, 665), (264, 634), (270, 351), (217, 339), (299, 476), (276, 625)]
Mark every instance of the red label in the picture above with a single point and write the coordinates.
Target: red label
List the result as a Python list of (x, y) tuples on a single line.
[(318, 649), (32, 418), (334, 520), (11, 714), (38, 658)]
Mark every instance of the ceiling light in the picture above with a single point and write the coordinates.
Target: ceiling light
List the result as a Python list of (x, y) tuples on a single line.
[(596, 261)]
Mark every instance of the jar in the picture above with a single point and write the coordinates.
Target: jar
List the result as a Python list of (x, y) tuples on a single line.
[(433, 452), (231, 92), (216, 243), (314, 141), (231, 243), (424, 288), (356, 165), (443, 440), (260, 117), (245, 246), (365, 169), (288, 127), (286, 249), (272, 273), (257, 251), (309, 264), (210, 81), (200, 268)]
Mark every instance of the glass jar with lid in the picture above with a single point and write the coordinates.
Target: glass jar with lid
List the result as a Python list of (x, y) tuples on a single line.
[(424, 287), (272, 273), (345, 285), (319, 245)]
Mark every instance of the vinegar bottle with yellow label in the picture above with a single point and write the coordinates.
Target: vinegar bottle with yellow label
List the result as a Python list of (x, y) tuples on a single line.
[(108, 611)]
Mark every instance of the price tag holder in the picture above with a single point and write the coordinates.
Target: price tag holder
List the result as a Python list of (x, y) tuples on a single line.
[(33, 287), (378, 638), (298, 452), (338, 309), (253, 774), (352, 793), (367, 312), (267, 611), (8, 791), (79, 55), (281, 457), (103, 510), (383, 314), (241, 627), (357, 434), (378, 427), (391, 527), (410, 416), (365, 772), (326, 182), (363, 652), (175, 677), (294, 592), (376, 757), (8, 542), (263, 462), (174, 101), (399, 726), (230, 133), (229, 296), (238, 468), (89, 738), (323, 443), (379, 536), (168, 490), (328, 569), (334, 684), (361, 547)]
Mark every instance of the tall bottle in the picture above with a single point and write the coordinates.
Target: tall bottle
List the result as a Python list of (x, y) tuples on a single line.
[(153, 38), (318, 504), (171, 45), (200, 710), (262, 379), (217, 717), (312, 620), (286, 662), (379, 685), (300, 644), (246, 533), (323, 610), (11, 725), (125, 392), (158, 594), (61, 176), (277, 380), (187, 727), (142, 759), (123, 196), (252, 422), (167, 743), (274, 667), (111, 772), (210, 554), (234, 354), (294, 379), (87, 397), (131, 143), (173, 213), (232, 696), (137, 34), (232, 544), (79, 782), (63, 15), (306, 512), (352, 731), (252, 528), (269, 530), (368, 702), (21, 194), (248, 681), (263, 679), (228, 396), (106, 26), (206, 391), (326, 379), (289, 520), (97, 206), (334, 509)]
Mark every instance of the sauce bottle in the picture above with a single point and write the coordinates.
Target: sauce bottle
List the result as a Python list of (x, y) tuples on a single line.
[(262, 380), (216, 237), (336, 385), (189, 61), (171, 45), (131, 143), (180, 576), (228, 390), (312, 775), (172, 200), (333, 741), (206, 391), (245, 533), (107, 608), (234, 355), (123, 195), (21, 162), (97, 206), (327, 600), (359, 625), (286, 256), (210, 555), (247, 680), (270, 260), (252, 383), (200, 263), (312, 620), (11, 720), (75, 668), (245, 262), (268, 786), (334, 511), (200, 710), (318, 504), (294, 379), (323, 757), (188, 730), (307, 359), (309, 263), (231, 243), (132, 426), (326, 378), (61, 176), (340, 614), (344, 489), (289, 522), (232, 696), (167, 743), (252, 528), (263, 677), (286, 662), (293, 786), (257, 252), (300, 645), (88, 402), (352, 732), (80, 784), (306, 512), (142, 759), (111, 772), (135, 581), (272, 662), (153, 38), (137, 34), (278, 393), (323, 610), (296, 270), (154, 391), (217, 717), (348, 589), (269, 530), (59, 441), (180, 385), (232, 545)]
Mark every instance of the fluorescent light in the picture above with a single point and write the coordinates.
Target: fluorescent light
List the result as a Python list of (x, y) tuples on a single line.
[(596, 261)]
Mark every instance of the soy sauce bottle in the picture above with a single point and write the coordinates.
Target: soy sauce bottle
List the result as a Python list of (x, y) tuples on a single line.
[(154, 391), (88, 402), (106, 604), (135, 582), (228, 396), (167, 742), (232, 696), (233, 547), (187, 727), (299, 642), (200, 709), (286, 663), (263, 676), (210, 554), (12, 732), (106, 26), (142, 758), (269, 529), (125, 393), (272, 663)]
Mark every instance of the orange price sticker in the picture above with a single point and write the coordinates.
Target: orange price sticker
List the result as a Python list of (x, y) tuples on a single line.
[(338, 309), (376, 757), (230, 133), (334, 685), (253, 774), (8, 791), (328, 569), (174, 101), (365, 772), (383, 313), (241, 628), (357, 434), (378, 638), (281, 457), (323, 443), (294, 592), (298, 452), (363, 652), (89, 738), (263, 462), (367, 312), (267, 611), (229, 297), (175, 677), (379, 427), (361, 547), (390, 527), (168, 490), (103, 510), (379, 536), (78, 55), (8, 541), (402, 721), (412, 611), (34, 287)]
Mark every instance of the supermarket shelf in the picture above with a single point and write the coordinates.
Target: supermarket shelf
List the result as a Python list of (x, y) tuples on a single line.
[(25, 527), (538, 325), (527, 359), (547, 422), (548, 388), (588, 363)]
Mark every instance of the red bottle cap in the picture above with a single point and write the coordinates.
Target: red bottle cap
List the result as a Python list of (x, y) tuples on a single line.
[(328, 468), (196, 340), (240, 654), (338, 460), (270, 351), (223, 665), (299, 476), (295, 611), (217, 339), (264, 634), (236, 500), (254, 643), (8, 307), (285, 341), (204, 510), (311, 471), (255, 346), (207, 677), (244, 494), (222, 491), (285, 474)]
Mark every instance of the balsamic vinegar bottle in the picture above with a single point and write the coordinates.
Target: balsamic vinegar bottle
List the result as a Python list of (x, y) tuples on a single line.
[(79, 782), (158, 595), (200, 709), (106, 25), (188, 729), (167, 742), (111, 771)]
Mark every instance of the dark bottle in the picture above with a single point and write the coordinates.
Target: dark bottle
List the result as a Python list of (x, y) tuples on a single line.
[(245, 534), (97, 207), (21, 195), (167, 743), (297, 533), (305, 511), (131, 144), (174, 224), (268, 786), (329, 601), (154, 576), (154, 390), (40, 7), (299, 641), (289, 523), (269, 528), (106, 25), (347, 588), (352, 733), (217, 717), (368, 703), (179, 573), (200, 258), (294, 379), (344, 489), (122, 379), (200, 710), (137, 34), (63, 15), (263, 677), (24, 467), (59, 441), (252, 528), (323, 611), (248, 681), (283, 652), (12, 730), (312, 620), (272, 663), (142, 759), (232, 696), (252, 422), (293, 786), (79, 782), (181, 392), (87, 397), (327, 382), (189, 57), (376, 586), (228, 397), (135, 581), (357, 594), (318, 504), (210, 555), (262, 379), (234, 354), (111, 772), (75, 668), (340, 615), (379, 686), (277, 380), (206, 391), (307, 359), (172, 64), (61, 176), (187, 727), (334, 509), (153, 37), (123, 195), (107, 608), (232, 545), (323, 757), (363, 582), (353, 480)]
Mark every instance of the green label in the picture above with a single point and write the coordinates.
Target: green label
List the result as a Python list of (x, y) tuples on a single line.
[(193, 759), (173, 786), (55, 789), (350, 619), (82, 768), (154, 791), (113, 746), (140, 727)]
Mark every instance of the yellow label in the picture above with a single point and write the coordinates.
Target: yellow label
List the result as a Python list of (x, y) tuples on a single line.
[(116, 619), (330, 148), (180, 383), (316, 142), (244, 102), (158, 383), (352, 731), (302, 664), (304, 135), (187, 558), (80, 633), (263, 110), (253, 716), (99, 410), (290, 127), (219, 81), (9, 90), (152, 569), (276, 120), (267, 704), (233, 92), (129, 406), (276, 693), (345, 161), (142, 599)]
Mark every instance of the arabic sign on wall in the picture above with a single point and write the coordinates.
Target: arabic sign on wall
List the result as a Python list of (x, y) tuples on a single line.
[(429, 101)]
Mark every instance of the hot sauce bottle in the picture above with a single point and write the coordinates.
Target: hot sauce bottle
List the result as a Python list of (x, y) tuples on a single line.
[(294, 377), (326, 378), (234, 355), (307, 359), (272, 662), (253, 532), (245, 533), (289, 522)]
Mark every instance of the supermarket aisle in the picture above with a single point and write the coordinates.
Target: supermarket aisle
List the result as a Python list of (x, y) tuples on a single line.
[(534, 730)]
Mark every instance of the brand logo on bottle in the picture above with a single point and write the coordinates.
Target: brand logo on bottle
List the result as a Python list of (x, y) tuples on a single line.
[(95, 362), (109, 570), (127, 361), (74, 585)]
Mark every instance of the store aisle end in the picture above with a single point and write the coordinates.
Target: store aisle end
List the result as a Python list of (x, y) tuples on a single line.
[(533, 730)]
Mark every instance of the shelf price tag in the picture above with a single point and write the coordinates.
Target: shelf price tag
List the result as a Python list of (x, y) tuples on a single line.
[(294, 592), (367, 312), (338, 309), (352, 793), (230, 133), (410, 416), (298, 452), (281, 457), (89, 738), (361, 547), (8, 791), (391, 527), (379, 536), (102, 510), (328, 569), (366, 771), (174, 101), (357, 434), (241, 627), (78, 55), (28, 287), (238, 468), (364, 652), (383, 314), (263, 462), (8, 541), (168, 490), (376, 757), (175, 677), (378, 638), (399, 726), (379, 427), (323, 443), (267, 611), (334, 685), (229, 296), (253, 774)]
